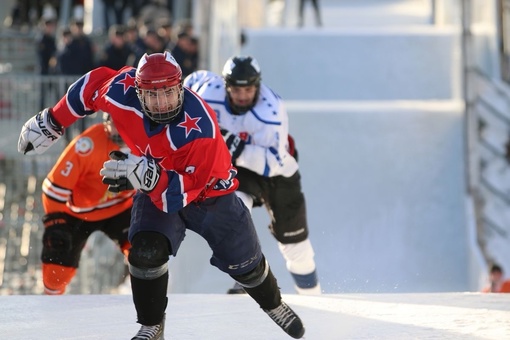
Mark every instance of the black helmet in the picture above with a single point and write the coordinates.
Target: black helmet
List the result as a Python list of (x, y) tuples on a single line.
[(112, 132), (242, 71)]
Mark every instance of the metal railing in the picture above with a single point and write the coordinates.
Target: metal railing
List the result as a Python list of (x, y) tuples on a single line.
[(102, 265), (489, 115)]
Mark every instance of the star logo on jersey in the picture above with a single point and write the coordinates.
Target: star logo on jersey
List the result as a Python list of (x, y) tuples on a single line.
[(148, 154), (127, 82), (190, 124)]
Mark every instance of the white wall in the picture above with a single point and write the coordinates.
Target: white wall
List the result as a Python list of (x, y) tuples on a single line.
[(378, 120), (374, 63), (386, 202)]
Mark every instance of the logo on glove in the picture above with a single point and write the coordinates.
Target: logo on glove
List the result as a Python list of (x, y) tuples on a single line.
[(151, 176), (44, 129)]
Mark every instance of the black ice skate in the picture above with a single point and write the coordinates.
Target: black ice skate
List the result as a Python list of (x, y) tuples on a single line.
[(156, 332), (287, 319)]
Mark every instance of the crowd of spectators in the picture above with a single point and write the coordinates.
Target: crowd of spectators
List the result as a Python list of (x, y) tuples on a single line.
[(70, 51)]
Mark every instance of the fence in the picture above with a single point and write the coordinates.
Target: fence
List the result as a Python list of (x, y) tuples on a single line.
[(489, 140), (18, 52), (102, 266)]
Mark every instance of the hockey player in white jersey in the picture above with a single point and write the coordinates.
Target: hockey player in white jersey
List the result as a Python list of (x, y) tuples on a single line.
[(254, 123)]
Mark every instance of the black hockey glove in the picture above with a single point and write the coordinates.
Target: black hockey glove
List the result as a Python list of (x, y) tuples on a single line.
[(234, 143)]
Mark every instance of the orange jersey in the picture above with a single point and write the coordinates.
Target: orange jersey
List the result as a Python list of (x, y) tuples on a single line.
[(504, 288), (74, 185)]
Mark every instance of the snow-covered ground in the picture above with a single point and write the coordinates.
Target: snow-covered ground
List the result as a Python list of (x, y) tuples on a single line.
[(232, 317)]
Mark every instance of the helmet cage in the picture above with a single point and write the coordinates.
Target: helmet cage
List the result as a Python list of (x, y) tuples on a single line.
[(157, 72), (147, 96)]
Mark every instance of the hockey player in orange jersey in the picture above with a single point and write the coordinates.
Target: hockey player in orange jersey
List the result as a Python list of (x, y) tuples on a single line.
[(497, 281), (77, 203)]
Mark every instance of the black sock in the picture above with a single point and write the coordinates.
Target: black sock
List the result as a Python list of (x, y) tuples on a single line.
[(150, 299), (267, 294)]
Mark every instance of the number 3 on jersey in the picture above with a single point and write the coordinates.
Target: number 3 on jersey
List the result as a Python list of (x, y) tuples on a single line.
[(69, 166)]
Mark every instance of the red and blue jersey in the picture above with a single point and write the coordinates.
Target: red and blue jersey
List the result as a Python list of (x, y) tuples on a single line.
[(195, 161)]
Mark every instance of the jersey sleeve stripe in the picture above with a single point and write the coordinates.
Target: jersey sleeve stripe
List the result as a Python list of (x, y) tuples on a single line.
[(124, 107), (105, 205), (54, 192)]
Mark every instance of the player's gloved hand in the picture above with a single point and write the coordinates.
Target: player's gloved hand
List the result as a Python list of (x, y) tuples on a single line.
[(127, 172), (39, 133), (234, 143)]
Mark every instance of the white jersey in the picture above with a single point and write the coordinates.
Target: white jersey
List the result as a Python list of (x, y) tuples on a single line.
[(264, 128)]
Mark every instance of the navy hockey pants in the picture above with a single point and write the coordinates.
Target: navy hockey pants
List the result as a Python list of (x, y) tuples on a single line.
[(223, 221)]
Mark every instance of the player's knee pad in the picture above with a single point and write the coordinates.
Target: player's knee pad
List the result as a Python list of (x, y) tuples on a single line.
[(58, 246), (299, 257), (148, 256), (254, 277), (288, 208), (57, 239)]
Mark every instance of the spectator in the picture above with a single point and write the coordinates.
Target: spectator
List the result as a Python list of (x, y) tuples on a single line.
[(185, 26), (47, 52), (46, 41), (116, 52), (315, 4), (136, 6), (165, 30), (63, 52), (135, 42), (153, 42), (186, 53), (77, 56), (18, 15), (153, 11), (113, 12), (497, 282)]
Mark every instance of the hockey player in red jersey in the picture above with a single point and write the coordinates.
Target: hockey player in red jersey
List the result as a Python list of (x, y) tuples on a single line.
[(76, 204), (185, 179)]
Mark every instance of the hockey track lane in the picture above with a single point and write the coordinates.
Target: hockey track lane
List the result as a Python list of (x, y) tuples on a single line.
[(233, 317)]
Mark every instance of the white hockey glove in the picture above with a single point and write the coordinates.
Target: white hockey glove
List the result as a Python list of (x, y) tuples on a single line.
[(127, 172), (234, 143), (39, 133)]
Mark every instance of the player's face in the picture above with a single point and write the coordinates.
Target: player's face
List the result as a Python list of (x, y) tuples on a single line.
[(110, 128), (242, 95), (113, 132), (496, 276), (161, 100)]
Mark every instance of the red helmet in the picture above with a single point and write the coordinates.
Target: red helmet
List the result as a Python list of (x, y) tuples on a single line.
[(159, 71)]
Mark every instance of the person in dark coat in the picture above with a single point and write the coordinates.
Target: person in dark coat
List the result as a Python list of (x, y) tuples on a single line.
[(116, 52)]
